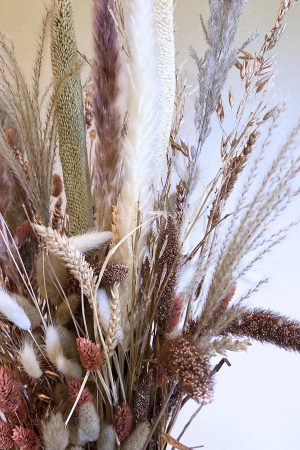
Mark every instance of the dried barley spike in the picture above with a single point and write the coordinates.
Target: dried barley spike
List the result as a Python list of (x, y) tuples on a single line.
[(114, 331), (70, 119), (267, 326), (183, 360)]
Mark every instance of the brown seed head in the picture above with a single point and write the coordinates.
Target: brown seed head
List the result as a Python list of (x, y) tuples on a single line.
[(26, 439), (74, 386), (123, 422), (6, 442), (89, 354)]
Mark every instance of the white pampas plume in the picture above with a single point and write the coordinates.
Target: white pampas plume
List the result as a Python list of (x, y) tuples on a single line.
[(90, 241), (55, 434), (56, 356), (107, 439), (138, 437), (164, 33), (12, 311), (141, 142), (29, 360), (69, 368), (104, 308), (88, 429), (31, 311)]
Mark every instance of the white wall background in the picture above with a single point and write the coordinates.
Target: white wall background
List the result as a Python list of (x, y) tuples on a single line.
[(257, 399)]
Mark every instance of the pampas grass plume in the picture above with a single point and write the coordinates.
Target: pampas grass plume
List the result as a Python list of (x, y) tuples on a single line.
[(55, 434), (29, 360), (12, 311), (30, 310), (70, 369), (104, 308), (90, 241), (53, 344)]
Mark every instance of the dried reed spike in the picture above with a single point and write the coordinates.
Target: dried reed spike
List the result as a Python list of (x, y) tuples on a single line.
[(181, 359), (267, 326), (26, 439), (144, 395), (167, 257), (89, 353), (114, 331), (123, 422), (6, 442), (106, 68), (70, 119)]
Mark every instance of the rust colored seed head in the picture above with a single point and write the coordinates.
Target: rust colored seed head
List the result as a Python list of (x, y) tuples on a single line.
[(74, 388), (181, 359), (123, 422), (6, 442), (89, 354), (26, 439)]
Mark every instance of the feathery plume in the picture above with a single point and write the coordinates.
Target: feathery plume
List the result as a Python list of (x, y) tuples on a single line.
[(29, 360), (164, 34), (74, 386), (182, 359), (123, 421), (107, 439), (70, 369), (12, 311), (267, 326), (70, 119), (104, 308), (106, 69), (26, 439), (6, 442), (141, 143), (90, 241), (138, 437), (55, 434), (89, 353), (30, 310)]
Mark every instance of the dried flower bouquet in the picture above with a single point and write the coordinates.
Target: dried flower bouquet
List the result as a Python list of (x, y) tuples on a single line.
[(118, 269)]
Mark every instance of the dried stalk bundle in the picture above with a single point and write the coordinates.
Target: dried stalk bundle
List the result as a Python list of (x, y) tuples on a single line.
[(106, 335)]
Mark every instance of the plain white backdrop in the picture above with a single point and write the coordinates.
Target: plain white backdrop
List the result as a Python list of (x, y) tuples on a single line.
[(257, 399)]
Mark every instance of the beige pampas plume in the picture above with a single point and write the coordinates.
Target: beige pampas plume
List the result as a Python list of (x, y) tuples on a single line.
[(104, 308), (70, 369), (107, 439), (70, 119), (55, 434), (12, 311), (90, 241), (141, 141), (29, 360), (138, 438), (164, 33)]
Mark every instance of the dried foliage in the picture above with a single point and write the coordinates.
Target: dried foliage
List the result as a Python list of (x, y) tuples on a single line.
[(106, 335)]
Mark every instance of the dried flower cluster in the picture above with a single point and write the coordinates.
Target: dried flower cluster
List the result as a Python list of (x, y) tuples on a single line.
[(118, 268)]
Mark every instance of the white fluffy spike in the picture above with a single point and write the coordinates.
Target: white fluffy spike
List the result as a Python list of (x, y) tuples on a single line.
[(29, 360), (90, 241), (12, 311), (164, 32)]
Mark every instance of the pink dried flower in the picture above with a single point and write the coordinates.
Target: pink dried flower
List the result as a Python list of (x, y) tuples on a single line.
[(175, 314), (74, 386), (123, 422), (10, 390), (6, 442), (26, 439), (89, 354)]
